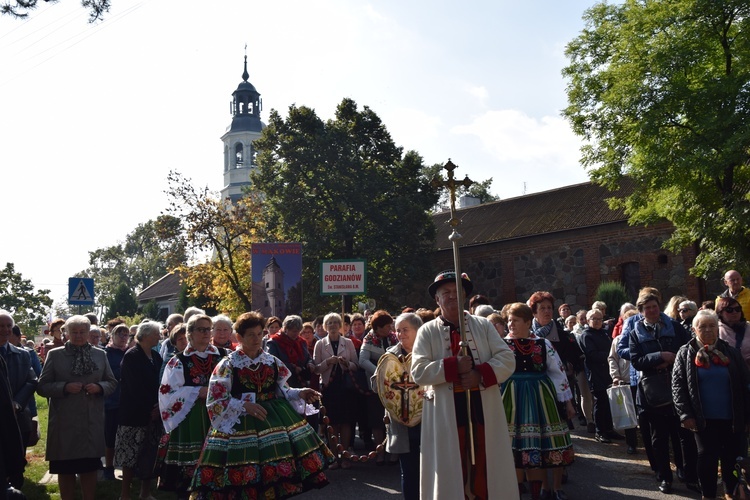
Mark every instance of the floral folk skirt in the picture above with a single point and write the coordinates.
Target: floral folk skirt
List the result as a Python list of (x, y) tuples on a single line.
[(279, 457), (539, 437), (180, 450)]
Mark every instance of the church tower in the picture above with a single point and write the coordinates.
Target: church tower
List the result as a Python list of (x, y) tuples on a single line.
[(273, 278), (239, 154)]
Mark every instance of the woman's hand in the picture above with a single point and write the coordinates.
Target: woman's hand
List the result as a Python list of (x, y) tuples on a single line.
[(202, 392), (73, 387), (309, 395), (92, 389), (689, 424), (255, 410), (343, 362)]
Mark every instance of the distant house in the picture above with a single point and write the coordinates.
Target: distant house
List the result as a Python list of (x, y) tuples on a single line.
[(165, 292), (565, 241)]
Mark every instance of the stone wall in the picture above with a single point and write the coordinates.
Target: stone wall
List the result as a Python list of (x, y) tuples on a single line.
[(572, 264)]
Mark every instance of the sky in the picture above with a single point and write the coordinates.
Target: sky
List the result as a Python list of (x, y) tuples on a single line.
[(94, 116)]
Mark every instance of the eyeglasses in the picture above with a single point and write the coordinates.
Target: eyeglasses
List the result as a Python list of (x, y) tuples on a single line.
[(203, 329), (684, 310), (731, 309)]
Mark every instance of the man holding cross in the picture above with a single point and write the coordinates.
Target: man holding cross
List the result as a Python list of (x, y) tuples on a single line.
[(446, 467)]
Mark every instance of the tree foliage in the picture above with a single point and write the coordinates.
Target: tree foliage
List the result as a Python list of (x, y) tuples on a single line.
[(218, 235), (479, 190), (661, 92), (148, 253), (345, 190), (21, 8), (17, 296), (123, 302)]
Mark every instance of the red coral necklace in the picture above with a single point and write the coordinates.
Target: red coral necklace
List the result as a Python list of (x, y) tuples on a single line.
[(524, 348)]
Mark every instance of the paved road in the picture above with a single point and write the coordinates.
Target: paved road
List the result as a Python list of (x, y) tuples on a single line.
[(601, 471)]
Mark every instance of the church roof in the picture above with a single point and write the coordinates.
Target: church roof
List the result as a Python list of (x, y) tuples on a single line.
[(167, 286), (562, 209)]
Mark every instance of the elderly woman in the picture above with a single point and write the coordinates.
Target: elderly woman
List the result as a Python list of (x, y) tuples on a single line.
[(222, 334), (182, 402), (55, 329), (687, 311), (291, 349), (733, 329), (139, 428), (531, 397), (709, 386), (335, 361), (619, 370), (258, 446), (115, 350), (273, 325), (403, 441), (375, 343), (76, 378)]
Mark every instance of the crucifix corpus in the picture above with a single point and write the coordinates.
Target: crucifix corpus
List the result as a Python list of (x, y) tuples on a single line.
[(451, 183)]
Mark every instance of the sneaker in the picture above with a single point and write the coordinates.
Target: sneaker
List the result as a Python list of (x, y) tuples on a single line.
[(591, 427), (602, 438)]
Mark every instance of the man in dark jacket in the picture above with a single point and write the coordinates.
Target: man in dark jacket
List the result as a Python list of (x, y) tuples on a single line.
[(21, 376)]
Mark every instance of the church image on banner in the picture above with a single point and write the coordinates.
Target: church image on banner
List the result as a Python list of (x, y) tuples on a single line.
[(277, 278)]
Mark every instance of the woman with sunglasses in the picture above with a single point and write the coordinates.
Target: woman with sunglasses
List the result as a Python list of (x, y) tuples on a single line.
[(733, 328)]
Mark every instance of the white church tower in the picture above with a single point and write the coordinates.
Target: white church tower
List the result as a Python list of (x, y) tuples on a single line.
[(273, 278), (239, 155)]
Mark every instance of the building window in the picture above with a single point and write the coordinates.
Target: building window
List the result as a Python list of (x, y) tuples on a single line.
[(238, 155), (631, 278)]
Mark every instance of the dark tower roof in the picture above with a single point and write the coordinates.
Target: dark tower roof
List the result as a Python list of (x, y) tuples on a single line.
[(246, 106)]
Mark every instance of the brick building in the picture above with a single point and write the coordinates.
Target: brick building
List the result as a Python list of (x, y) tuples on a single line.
[(565, 241)]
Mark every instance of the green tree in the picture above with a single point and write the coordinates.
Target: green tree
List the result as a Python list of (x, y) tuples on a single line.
[(21, 8), (480, 190), (148, 253), (123, 302), (660, 91), (345, 190), (218, 234), (28, 307)]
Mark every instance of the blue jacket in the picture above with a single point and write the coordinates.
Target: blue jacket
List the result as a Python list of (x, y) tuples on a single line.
[(645, 348), (21, 375)]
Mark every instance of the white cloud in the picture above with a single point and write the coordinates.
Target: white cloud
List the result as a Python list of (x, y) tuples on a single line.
[(512, 136), (478, 91)]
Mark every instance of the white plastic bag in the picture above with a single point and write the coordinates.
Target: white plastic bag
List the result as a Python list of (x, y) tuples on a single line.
[(622, 407)]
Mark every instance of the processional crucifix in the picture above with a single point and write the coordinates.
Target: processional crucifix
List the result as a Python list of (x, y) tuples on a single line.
[(451, 184)]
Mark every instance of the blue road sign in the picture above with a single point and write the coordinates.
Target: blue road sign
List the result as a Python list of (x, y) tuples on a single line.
[(81, 291)]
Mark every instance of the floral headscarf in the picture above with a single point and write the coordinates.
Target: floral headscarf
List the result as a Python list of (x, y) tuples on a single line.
[(82, 362)]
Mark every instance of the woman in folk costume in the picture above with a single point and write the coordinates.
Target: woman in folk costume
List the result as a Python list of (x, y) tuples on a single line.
[(182, 402), (446, 470), (539, 434), (258, 445)]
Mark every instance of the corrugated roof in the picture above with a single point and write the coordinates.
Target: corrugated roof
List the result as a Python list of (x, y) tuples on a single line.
[(168, 285), (561, 209)]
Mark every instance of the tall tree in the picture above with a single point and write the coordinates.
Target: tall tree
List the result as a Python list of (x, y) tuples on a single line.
[(345, 190), (17, 296), (123, 303), (148, 253), (218, 235), (21, 8), (660, 91)]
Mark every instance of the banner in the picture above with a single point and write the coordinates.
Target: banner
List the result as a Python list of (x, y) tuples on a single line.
[(347, 277), (277, 278)]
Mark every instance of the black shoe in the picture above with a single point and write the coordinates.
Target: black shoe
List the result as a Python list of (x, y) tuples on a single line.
[(665, 487), (582, 420), (108, 474), (559, 495), (591, 427), (602, 439), (693, 487), (615, 436), (571, 426), (680, 475), (632, 450)]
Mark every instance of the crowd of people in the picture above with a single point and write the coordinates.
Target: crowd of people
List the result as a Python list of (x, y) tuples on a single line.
[(207, 407)]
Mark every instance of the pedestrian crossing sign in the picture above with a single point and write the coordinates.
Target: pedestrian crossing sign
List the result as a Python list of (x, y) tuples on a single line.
[(81, 291)]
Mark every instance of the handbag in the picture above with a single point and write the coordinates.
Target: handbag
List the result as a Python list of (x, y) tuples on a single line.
[(622, 407), (656, 389)]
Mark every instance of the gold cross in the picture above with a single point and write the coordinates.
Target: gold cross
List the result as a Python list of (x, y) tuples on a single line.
[(452, 184)]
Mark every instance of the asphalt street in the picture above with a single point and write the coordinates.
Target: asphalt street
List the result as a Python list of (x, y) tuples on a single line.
[(601, 471)]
